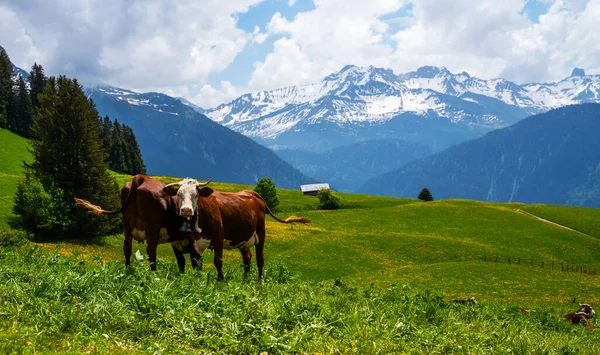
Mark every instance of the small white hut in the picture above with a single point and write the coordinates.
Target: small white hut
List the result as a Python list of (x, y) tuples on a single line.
[(312, 189)]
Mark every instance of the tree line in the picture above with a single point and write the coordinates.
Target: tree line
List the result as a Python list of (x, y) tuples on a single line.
[(72, 149)]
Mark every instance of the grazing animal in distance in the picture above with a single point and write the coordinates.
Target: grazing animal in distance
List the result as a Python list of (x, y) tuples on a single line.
[(226, 220), (150, 215), (582, 315)]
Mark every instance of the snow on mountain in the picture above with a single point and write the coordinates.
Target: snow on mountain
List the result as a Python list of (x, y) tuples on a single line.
[(368, 95), (153, 100)]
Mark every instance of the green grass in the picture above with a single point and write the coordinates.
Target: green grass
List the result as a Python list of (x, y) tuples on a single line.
[(372, 245), (50, 304), (579, 218), (13, 152)]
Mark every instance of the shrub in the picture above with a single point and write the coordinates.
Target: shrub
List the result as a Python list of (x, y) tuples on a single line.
[(10, 237), (40, 208), (425, 195), (328, 200), (265, 187)]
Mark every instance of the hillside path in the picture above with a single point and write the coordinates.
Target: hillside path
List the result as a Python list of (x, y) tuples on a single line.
[(554, 223)]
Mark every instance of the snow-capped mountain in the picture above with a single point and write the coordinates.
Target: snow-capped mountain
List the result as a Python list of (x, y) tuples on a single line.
[(177, 140), (430, 105)]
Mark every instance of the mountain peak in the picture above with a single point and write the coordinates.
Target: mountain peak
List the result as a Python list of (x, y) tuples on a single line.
[(430, 71), (360, 74), (578, 72)]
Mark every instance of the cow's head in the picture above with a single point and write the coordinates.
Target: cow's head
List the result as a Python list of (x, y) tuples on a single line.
[(188, 191), (586, 309)]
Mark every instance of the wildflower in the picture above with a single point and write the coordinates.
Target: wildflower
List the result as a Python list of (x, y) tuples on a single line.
[(47, 311)]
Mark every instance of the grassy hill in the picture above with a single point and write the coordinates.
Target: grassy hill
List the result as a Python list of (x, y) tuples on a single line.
[(446, 245), (13, 151), (335, 286)]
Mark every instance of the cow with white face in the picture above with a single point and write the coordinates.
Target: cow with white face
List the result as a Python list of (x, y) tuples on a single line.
[(187, 195), (225, 220)]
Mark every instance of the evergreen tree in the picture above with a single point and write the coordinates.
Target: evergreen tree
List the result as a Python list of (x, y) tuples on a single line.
[(425, 195), (37, 81), (68, 157), (265, 187), (105, 133), (122, 146), (117, 149), (21, 110), (6, 88), (134, 155)]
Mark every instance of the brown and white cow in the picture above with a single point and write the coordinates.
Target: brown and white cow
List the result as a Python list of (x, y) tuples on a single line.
[(150, 215), (226, 221)]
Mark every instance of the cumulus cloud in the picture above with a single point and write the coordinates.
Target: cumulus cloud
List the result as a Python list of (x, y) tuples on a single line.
[(320, 41), (210, 96), (487, 38), (175, 47), (135, 44)]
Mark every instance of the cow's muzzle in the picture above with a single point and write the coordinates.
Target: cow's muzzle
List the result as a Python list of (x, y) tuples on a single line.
[(186, 212)]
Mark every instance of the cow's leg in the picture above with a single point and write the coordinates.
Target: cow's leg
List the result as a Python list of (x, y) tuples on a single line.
[(151, 248), (180, 258), (219, 260), (127, 248), (247, 257), (260, 246), (260, 259), (195, 257)]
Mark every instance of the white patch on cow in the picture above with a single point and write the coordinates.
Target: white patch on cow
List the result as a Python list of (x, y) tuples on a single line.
[(163, 237), (201, 244), (252, 241), (139, 235)]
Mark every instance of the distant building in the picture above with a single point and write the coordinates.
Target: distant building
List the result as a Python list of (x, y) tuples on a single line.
[(312, 189)]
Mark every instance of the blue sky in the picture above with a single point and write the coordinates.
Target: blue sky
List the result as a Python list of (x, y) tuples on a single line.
[(211, 51)]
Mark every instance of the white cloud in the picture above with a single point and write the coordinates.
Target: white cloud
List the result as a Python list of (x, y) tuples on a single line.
[(487, 38), (135, 44), (209, 96), (174, 47), (287, 64), (321, 41)]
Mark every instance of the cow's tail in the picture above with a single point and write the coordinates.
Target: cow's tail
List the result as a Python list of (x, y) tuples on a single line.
[(102, 212), (291, 219)]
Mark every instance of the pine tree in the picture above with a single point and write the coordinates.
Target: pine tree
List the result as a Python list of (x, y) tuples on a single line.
[(37, 81), (105, 133), (134, 155), (425, 195), (21, 109), (6, 88), (117, 149), (68, 156)]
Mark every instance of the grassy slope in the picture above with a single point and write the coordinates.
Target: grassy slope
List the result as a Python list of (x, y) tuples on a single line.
[(57, 304), (441, 244), (13, 151)]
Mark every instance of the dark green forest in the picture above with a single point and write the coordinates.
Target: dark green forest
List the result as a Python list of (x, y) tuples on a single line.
[(72, 148)]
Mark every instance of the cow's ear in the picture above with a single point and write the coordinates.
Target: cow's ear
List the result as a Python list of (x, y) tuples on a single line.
[(170, 190), (205, 191)]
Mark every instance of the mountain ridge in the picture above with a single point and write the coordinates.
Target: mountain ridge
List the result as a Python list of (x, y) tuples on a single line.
[(177, 140), (551, 158), (355, 97)]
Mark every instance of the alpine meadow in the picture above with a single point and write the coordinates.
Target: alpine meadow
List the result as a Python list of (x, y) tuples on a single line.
[(299, 177)]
